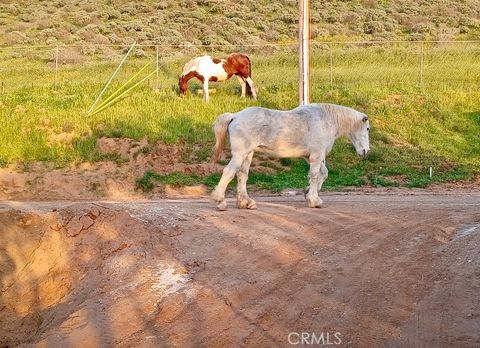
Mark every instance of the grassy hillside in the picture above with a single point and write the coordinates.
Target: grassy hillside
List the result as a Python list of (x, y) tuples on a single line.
[(210, 22), (414, 126), (419, 119)]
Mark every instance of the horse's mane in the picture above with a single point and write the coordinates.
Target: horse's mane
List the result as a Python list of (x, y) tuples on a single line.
[(345, 119)]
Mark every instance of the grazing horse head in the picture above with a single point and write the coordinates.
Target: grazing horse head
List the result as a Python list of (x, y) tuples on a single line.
[(207, 69), (359, 135), (183, 81)]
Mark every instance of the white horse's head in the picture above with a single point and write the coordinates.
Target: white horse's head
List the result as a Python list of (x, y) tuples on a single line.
[(359, 136)]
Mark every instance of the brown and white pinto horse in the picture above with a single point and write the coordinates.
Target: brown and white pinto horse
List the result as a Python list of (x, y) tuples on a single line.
[(206, 69)]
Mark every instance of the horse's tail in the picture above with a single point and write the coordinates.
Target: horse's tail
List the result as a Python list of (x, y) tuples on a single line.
[(249, 73), (248, 90), (221, 128), (249, 66)]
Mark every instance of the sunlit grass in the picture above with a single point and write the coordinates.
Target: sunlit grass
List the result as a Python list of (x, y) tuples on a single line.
[(415, 125)]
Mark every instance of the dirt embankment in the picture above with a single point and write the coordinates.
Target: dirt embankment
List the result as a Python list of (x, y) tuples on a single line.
[(115, 178), (68, 276), (379, 270)]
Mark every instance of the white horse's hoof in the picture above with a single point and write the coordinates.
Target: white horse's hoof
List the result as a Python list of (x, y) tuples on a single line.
[(314, 202), (219, 199), (216, 197), (222, 205), (242, 203), (246, 203)]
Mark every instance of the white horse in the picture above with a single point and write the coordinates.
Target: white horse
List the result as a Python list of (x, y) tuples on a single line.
[(207, 69), (307, 131)]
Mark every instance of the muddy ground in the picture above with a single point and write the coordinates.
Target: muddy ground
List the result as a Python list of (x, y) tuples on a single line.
[(367, 270)]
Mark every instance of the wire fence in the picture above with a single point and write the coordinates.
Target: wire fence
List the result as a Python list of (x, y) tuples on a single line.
[(399, 63)]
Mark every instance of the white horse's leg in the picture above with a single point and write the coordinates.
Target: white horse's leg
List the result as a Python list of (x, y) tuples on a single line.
[(243, 200), (205, 89), (243, 84), (252, 87), (218, 194), (314, 175), (323, 174)]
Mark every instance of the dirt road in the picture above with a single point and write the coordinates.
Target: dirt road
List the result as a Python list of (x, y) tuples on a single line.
[(364, 271)]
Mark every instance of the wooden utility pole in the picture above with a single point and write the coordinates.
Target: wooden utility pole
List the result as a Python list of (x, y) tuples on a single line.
[(304, 51)]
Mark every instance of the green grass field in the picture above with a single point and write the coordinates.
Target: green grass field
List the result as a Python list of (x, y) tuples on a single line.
[(414, 126)]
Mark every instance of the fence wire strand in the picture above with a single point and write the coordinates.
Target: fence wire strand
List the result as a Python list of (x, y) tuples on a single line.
[(425, 63)]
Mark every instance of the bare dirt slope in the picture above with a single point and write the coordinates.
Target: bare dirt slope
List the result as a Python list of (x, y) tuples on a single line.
[(380, 270)]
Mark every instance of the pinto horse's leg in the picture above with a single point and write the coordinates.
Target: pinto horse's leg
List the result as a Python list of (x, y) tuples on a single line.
[(243, 84), (252, 87), (243, 200), (314, 178), (218, 195), (205, 89)]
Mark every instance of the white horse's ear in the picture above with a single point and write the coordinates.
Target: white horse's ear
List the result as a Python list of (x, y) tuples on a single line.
[(365, 118)]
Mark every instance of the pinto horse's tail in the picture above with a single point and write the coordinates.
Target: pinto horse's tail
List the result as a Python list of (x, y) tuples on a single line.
[(249, 90), (221, 129), (249, 68)]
